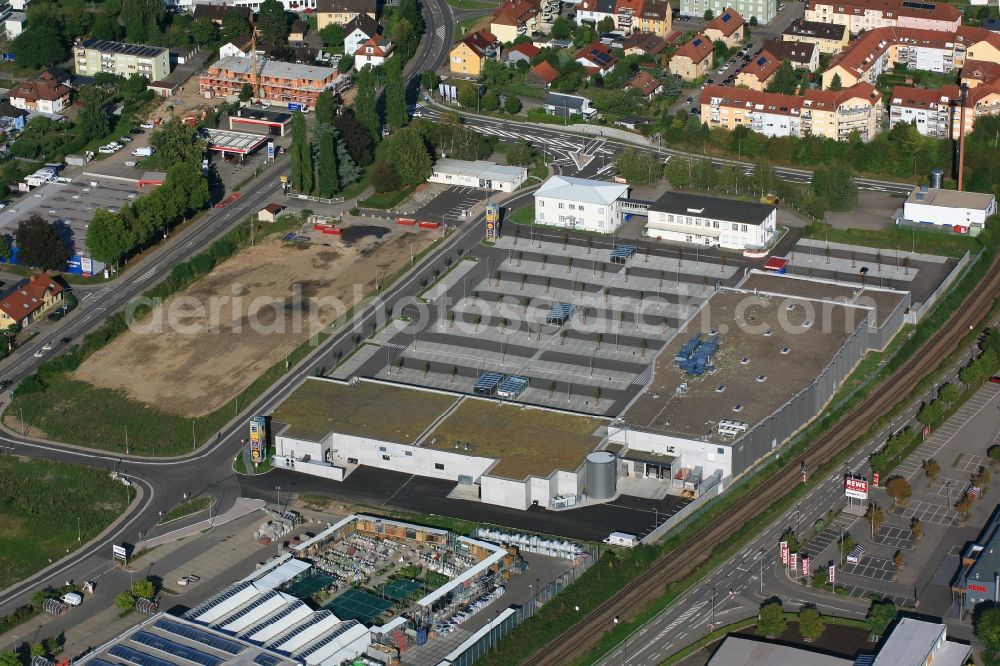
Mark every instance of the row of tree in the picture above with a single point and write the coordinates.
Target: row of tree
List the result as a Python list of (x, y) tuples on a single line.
[(336, 153)]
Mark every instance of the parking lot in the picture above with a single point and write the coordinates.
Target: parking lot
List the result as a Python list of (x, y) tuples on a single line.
[(898, 538), (875, 568), (450, 206)]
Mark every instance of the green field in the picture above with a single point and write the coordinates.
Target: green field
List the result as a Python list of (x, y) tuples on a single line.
[(40, 502), (906, 238)]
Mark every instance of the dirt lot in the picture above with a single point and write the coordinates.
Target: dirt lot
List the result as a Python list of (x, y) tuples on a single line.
[(201, 347)]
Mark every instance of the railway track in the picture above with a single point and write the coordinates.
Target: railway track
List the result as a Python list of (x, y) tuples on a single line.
[(676, 564)]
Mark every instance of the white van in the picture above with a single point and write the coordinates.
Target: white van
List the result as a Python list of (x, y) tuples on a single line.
[(72, 599), (622, 539)]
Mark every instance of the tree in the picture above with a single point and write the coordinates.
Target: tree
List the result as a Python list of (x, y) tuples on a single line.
[(468, 95), (948, 393), (385, 178), (125, 601), (931, 414), (272, 22), (931, 469), (785, 79), (246, 92), (836, 83), (789, 537), (325, 107), (771, 620), (512, 105), (109, 237), (561, 28), (40, 245), (176, 141), (964, 506), (986, 626), (605, 25), (409, 155), (491, 101), (811, 624), (333, 36), (144, 20), (93, 118), (708, 15), (521, 153), (9, 658), (5, 251), (234, 25), (898, 488), (36, 650), (917, 528), (898, 560), (880, 615), (639, 167), (40, 45), (365, 104), (395, 94), (753, 21), (106, 27), (203, 31), (347, 170), (143, 589), (301, 157), (875, 517), (355, 138), (429, 80), (327, 176), (834, 182)]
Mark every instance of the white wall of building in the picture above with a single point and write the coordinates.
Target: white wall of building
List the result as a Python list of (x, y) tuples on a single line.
[(325, 470), (504, 492), (446, 177), (944, 216), (574, 215), (300, 448), (706, 231), (775, 124), (690, 453)]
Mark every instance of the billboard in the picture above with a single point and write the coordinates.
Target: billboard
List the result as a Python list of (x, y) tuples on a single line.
[(293, 106), (805, 565), (794, 561), (875, 479), (492, 221), (831, 574), (119, 553), (270, 150), (784, 552), (258, 439), (856, 487)]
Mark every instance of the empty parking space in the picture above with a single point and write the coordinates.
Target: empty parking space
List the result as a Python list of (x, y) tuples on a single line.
[(875, 568), (928, 513), (894, 537), (818, 544), (451, 204), (967, 462), (859, 592)]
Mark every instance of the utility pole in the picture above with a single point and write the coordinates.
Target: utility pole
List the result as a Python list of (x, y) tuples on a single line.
[(762, 571), (126, 440), (193, 440)]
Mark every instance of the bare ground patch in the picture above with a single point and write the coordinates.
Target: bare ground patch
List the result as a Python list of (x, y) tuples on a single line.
[(201, 347)]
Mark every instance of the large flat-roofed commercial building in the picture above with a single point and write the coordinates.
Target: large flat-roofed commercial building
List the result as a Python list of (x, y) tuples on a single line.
[(280, 82), (580, 203), (712, 221), (978, 580), (480, 173), (94, 56), (964, 212)]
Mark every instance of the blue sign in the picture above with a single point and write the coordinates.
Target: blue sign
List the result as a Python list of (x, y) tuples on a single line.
[(270, 150), (292, 106)]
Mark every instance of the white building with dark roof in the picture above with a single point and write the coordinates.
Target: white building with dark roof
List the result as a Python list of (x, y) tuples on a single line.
[(580, 203), (712, 221), (963, 212)]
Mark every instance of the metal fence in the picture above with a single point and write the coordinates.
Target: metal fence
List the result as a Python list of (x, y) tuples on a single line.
[(914, 316)]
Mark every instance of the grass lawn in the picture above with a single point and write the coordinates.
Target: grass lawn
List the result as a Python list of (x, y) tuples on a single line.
[(367, 409), (927, 242), (186, 509), (465, 24), (39, 503), (525, 215), (386, 200), (472, 4), (527, 441)]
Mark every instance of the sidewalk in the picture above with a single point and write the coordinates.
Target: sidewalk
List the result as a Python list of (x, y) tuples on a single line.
[(242, 507)]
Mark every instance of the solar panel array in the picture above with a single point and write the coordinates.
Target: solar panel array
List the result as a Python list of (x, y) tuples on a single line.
[(199, 636), (512, 386), (919, 5), (262, 599), (695, 356), (315, 619), (212, 602), (139, 50), (623, 253), (761, 61), (100, 662), (559, 314), (487, 383), (329, 638), (272, 619), (136, 657), (266, 660), (176, 649)]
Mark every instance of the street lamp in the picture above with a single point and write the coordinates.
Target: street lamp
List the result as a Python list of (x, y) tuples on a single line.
[(278, 489), (762, 571)]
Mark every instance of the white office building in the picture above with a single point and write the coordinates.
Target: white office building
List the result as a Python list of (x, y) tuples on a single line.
[(964, 212), (482, 174), (580, 203), (712, 221)]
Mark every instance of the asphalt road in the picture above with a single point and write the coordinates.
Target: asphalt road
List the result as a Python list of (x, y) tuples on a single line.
[(733, 590)]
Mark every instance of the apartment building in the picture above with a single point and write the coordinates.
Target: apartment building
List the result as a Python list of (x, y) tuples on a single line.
[(859, 15), (800, 54), (833, 114), (643, 16), (938, 113), (44, 93), (694, 59), (759, 72), (881, 49), (978, 72), (726, 27), (279, 82), (762, 10), (828, 37), (98, 55), (712, 221), (374, 52), (594, 11), (342, 12), (514, 18), (467, 57)]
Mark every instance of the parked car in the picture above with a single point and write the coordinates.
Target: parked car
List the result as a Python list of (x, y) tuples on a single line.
[(106, 150), (689, 100), (5, 384), (47, 346), (124, 139), (147, 125), (995, 379), (65, 341), (39, 354), (72, 598)]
